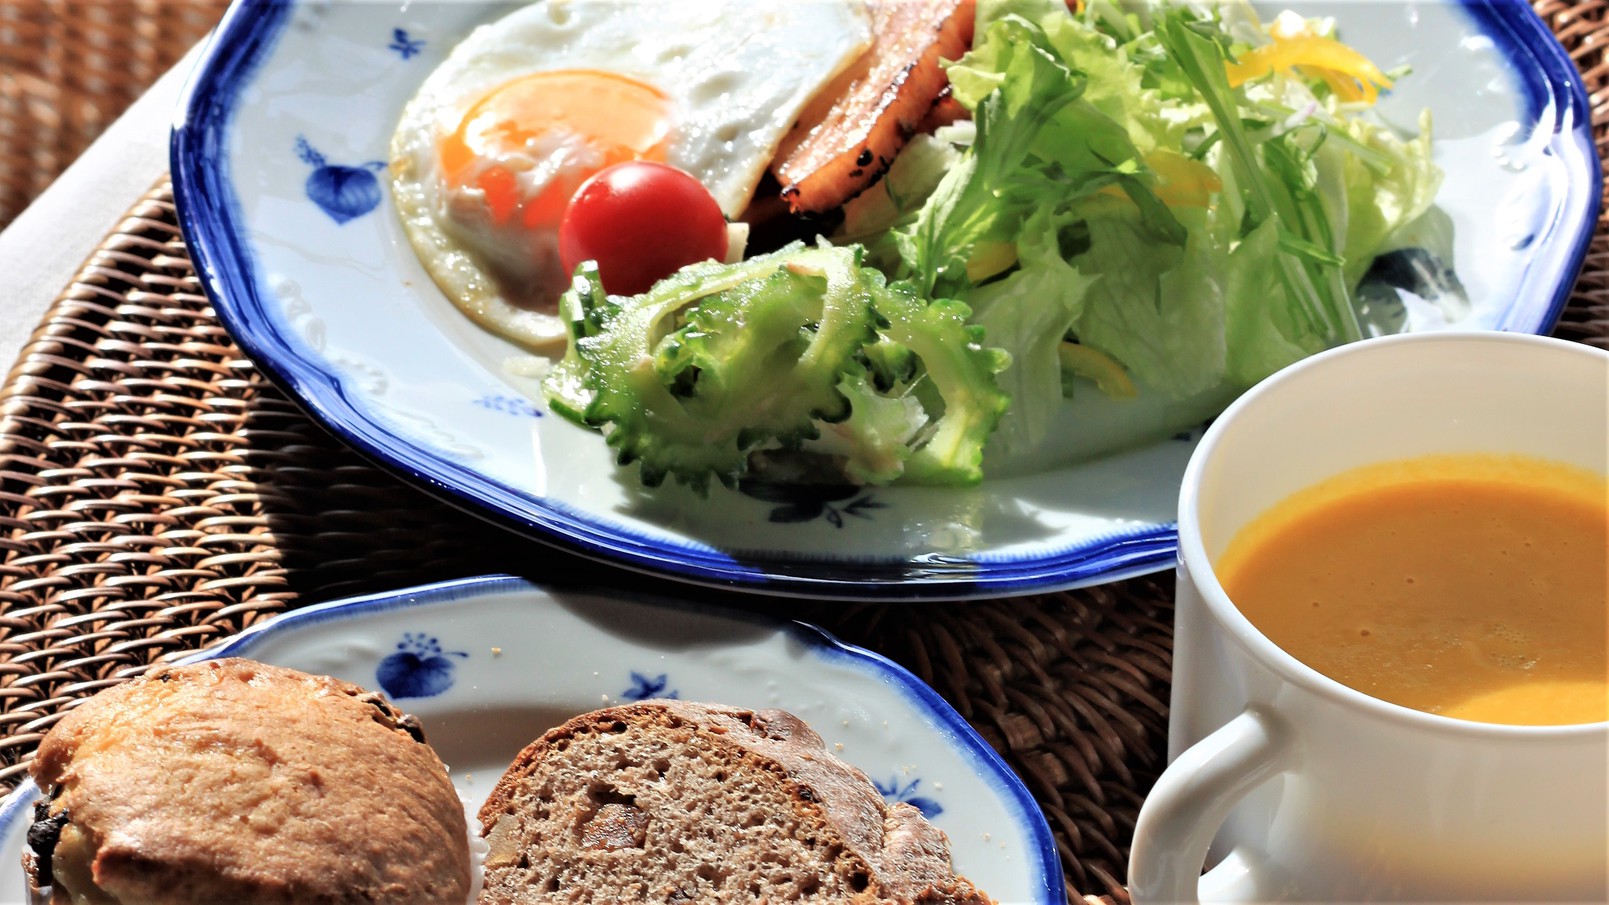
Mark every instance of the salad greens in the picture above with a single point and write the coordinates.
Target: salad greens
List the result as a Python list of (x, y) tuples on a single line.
[(1164, 201)]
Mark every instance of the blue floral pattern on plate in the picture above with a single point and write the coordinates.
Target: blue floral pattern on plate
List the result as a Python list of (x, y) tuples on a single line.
[(643, 687), (894, 792), (509, 405), (807, 502), (343, 192), (418, 669), (405, 46)]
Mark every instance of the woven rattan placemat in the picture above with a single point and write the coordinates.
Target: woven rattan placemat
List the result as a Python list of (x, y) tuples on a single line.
[(70, 67), (157, 495)]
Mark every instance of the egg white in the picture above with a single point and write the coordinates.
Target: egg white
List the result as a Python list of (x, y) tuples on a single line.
[(737, 72)]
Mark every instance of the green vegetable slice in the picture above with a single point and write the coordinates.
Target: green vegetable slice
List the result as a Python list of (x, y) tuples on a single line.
[(720, 361)]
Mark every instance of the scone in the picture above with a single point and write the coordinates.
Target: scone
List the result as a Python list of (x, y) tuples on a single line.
[(672, 801), (232, 781)]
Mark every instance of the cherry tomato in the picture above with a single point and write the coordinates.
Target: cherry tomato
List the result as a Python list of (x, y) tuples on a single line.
[(641, 221)]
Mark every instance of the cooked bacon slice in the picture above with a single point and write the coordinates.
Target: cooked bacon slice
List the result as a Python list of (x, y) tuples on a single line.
[(851, 132), (946, 111)]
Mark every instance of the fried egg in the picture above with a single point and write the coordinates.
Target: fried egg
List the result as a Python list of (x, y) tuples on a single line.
[(488, 153)]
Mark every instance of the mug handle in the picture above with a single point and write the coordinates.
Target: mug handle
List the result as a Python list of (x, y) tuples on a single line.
[(1191, 800)]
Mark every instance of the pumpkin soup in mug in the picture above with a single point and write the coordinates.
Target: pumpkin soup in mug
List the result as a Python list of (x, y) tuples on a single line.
[(1470, 586)]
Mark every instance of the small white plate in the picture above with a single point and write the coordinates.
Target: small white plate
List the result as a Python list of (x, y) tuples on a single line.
[(288, 120), (488, 664)]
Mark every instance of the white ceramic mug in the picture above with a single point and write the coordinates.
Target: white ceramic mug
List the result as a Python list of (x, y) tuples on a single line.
[(1302, 788)]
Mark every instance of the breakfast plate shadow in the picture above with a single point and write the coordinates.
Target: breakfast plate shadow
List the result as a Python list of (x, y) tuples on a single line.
[(488, 664), (279, 159)]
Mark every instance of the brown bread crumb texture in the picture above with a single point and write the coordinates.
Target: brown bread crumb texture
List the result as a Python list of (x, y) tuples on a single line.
[(672, 801)]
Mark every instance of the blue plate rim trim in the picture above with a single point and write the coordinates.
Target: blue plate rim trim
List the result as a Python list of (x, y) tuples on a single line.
[(1516, 28), (987, 762), (208, 213)]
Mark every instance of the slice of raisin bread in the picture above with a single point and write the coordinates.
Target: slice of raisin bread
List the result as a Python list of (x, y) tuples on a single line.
[(672, 801)]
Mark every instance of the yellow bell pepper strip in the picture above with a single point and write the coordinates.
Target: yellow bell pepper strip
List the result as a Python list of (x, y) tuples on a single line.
[(1108, 376), (1181, 181), (1348, 73)]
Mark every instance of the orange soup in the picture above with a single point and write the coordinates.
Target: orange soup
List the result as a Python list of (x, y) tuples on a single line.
[(1471, 586)]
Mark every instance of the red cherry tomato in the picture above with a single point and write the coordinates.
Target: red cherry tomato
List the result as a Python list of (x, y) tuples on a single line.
[(641, 221)]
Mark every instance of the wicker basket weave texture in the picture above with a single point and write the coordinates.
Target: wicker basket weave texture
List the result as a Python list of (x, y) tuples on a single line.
[(157, 495), (68, 68)]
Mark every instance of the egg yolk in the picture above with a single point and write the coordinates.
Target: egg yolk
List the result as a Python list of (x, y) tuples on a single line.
[(567, 124)]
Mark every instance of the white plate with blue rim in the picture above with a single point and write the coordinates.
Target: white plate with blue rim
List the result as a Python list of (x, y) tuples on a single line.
[(287, 122), (488, 664)]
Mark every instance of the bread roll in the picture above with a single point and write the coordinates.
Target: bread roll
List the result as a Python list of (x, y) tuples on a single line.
[(233, 781)]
